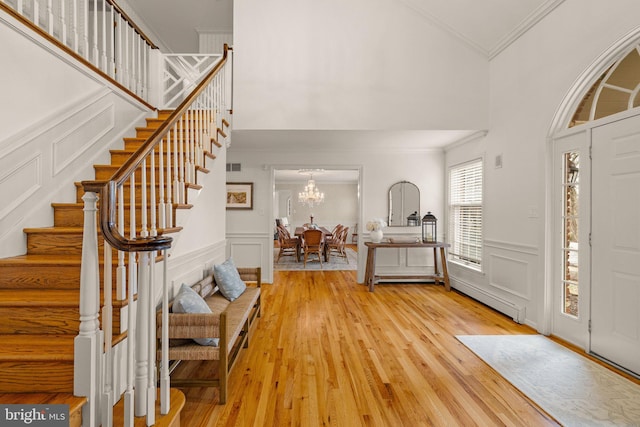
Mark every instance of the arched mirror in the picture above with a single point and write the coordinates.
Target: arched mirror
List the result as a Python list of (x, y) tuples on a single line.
[(404, 205)]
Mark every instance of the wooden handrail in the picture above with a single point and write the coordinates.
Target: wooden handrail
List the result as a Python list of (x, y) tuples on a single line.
[(108, 189)]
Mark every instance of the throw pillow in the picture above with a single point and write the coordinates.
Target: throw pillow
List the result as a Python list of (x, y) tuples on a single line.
[(189, 301), (228, 280)]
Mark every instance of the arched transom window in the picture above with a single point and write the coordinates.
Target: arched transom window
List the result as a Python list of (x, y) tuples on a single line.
[(615, 91)]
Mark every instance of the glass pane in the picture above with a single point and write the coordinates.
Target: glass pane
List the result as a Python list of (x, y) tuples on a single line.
[(570, 223), (626, 74), (570, 299), (611, 101), (571, 266)]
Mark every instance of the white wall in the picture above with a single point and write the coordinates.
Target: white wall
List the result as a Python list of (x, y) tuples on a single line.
[(372, 64), (340, 205), (252, 230), (528, 83)]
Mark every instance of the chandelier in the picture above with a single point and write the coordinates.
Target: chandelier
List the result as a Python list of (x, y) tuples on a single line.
[(311, 193)]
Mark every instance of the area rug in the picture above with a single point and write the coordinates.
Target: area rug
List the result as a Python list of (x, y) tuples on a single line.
[(571, 388), (289, 263)]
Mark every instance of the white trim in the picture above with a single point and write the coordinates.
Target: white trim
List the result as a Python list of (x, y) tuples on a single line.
[(512, 246), (516, 312), (469, 138)]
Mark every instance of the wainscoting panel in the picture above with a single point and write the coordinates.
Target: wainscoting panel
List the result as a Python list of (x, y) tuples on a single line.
[(19, 183), (96, 121), (510, 275), (252, 250), (510, 268)]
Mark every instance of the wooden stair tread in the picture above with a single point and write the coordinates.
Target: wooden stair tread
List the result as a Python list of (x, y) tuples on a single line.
[(30, 347), (36, 297), (74, 402), (40, 259)]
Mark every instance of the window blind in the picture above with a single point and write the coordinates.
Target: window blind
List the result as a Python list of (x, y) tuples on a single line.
[(465, 213)]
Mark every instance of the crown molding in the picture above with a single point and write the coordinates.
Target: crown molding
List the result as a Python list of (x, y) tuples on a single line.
[(476, 135), (416, 6), (531, 20)]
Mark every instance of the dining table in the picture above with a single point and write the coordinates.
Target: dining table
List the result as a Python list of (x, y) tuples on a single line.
[(299, 231)]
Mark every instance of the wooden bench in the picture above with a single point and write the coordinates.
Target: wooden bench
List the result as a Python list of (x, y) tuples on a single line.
[(230, 322)]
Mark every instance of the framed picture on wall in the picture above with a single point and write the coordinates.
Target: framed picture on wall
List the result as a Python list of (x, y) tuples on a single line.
[(239, 195)]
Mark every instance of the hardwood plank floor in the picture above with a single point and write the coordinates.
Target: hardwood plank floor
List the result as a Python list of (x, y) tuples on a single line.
[(328, 352)]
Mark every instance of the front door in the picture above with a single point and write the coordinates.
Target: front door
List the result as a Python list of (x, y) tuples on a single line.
[(615, 283)]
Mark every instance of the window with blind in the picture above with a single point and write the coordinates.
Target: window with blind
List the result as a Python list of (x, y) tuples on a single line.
[(465, 214)]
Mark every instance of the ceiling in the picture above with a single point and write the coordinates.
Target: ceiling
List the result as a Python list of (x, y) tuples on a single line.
[(486, 25)]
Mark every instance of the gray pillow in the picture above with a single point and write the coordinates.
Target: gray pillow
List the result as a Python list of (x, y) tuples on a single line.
[(228, 280), (189, 301)]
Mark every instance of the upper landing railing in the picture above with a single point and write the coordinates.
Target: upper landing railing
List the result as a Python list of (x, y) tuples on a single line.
[(99, 34)]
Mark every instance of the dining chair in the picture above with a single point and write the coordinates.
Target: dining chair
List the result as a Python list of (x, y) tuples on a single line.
[(313, 243), (288, 245), (337, 245)]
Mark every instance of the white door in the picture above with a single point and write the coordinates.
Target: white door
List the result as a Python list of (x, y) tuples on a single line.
[(615, 292)]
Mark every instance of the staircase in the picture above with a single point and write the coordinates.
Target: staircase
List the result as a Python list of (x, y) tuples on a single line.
[(39, 301)]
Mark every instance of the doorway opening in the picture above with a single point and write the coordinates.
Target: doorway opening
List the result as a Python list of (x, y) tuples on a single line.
[(337, 215)]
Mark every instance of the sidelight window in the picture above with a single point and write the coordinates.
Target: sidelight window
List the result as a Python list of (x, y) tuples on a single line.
[(570, 221)]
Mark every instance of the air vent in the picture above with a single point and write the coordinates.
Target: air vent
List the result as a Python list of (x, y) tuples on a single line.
[(233, 167)]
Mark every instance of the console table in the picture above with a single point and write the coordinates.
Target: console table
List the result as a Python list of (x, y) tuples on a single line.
[(370, 276)]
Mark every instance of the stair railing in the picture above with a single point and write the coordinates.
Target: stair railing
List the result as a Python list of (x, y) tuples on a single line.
[(165, 166), (97, 32)]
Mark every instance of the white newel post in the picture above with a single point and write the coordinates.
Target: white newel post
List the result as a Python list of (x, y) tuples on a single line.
[(89, 343)]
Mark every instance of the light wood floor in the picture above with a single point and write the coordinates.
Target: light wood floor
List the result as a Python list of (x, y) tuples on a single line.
[(328, 352)]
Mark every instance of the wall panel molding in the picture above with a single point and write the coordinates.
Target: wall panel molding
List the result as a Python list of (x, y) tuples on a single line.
[(512, 246), (71, 145), (510, 275), (19, 183)]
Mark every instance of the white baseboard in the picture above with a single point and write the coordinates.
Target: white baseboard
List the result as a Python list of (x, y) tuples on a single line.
[(516, 312)]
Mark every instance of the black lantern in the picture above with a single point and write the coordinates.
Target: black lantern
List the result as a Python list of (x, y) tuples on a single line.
[(429, 228)]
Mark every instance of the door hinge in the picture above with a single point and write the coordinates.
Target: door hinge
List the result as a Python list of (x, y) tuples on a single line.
[(589, 326), (589, 239), (590, 152)]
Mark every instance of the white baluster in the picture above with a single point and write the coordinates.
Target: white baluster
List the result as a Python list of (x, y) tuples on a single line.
[(63, 22), (168, 214), (144, 231), (36, 14), (112, 42), (96, 54), (153, 208), (121, 271), (181, 162), (103, 62), (74, 29), (176, 160), (119, 51), (129, 396), (50, 17), (161, 167), (107, 326)]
